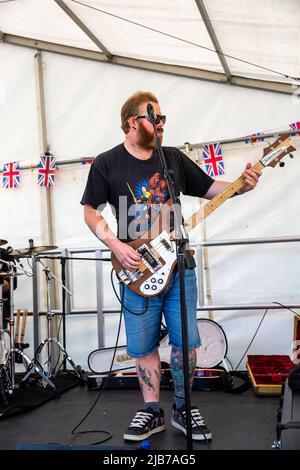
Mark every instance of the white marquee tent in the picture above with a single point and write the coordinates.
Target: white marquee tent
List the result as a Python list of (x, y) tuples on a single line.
[(222, 71)]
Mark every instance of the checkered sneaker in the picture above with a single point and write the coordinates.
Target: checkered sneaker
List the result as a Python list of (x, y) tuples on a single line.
[(200, 431), (145, 423)]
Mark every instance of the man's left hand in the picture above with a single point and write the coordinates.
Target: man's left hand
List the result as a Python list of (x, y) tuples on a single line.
[(251, 177)]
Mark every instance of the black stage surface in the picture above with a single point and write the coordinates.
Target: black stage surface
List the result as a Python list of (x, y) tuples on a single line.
[(243, 421)]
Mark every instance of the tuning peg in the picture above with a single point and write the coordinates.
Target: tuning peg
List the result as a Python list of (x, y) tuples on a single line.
[(291, 155), (281, 164)]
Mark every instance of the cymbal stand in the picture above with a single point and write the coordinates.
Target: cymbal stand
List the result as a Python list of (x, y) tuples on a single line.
[(49, 341), (31, 365), (2, 349)]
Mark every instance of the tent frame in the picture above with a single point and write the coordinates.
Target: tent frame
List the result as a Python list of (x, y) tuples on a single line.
[(177, 70)]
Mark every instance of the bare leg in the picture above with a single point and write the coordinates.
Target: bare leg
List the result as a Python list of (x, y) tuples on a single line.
[(148, 370)]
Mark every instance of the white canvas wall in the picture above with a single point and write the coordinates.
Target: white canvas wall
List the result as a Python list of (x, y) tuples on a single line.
[(83, 100)]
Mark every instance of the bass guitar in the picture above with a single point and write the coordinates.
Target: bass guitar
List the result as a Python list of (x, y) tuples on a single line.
[(157, 246)]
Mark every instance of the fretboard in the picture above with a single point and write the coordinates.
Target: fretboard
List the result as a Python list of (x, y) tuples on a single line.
[(216, 202)]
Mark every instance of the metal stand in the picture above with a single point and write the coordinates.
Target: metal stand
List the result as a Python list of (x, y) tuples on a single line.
[(3, 351), (50, 341), (11, 353), (181, 240)]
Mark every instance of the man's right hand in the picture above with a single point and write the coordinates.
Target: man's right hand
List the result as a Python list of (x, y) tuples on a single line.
[(128, 257)]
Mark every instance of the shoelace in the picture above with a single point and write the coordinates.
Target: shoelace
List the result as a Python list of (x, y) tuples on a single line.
[(140, 419), (197, 419)]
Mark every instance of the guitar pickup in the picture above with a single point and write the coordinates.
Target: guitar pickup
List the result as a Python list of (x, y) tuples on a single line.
[(151, 261), (167, 245)]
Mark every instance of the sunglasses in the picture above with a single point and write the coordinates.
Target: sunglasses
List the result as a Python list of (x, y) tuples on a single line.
[(158, 118)]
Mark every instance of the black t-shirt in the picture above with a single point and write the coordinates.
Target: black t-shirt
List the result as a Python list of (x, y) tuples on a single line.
[(136, 188)]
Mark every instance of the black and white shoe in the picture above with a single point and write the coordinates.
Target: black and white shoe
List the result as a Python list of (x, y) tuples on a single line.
[(200, 431), (145, 423)]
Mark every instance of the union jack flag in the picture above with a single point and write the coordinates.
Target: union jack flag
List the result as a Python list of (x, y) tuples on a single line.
[(258, 137), (295, 126), (11, 175), (47, 170), (213, 159)]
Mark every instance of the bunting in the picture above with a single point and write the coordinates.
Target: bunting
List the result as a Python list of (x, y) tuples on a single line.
[(46, 171), (11, 175)]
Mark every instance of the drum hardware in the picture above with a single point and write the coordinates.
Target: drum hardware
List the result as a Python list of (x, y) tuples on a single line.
[(49, 341), (3, 352), (9, 351), (30, 251), (5, 275), (212, 352), (19, 335)]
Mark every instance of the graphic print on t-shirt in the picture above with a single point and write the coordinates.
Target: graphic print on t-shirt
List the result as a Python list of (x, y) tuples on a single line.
[(148, 197)]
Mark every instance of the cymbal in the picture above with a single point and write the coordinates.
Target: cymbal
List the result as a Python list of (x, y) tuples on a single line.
[(3, 242), (4, 274), (20, 252)]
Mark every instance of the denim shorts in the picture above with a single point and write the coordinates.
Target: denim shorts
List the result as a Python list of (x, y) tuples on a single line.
[(143, 329)]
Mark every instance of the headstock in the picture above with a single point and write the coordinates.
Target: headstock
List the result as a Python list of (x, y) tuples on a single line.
[(276, 151)]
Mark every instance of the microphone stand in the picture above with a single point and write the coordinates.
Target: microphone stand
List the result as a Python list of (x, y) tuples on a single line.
[(181, 240), (63, 280)]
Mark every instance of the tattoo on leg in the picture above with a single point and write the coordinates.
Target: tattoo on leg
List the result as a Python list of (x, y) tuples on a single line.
[(145, 378), (177, 369), (157, 373)]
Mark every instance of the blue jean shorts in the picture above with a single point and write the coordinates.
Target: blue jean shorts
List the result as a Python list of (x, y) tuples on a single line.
[(143, 329)]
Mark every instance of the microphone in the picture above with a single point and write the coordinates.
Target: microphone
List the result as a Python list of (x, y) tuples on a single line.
[(31, 245), (150, 113)]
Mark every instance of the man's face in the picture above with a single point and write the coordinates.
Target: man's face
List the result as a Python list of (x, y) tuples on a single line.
[(145, 135)]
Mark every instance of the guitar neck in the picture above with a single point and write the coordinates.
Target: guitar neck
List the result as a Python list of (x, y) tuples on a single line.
[(216, 202)]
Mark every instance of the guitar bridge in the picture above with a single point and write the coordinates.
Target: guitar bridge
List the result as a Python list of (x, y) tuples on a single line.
[(151, 261), (127, 276)]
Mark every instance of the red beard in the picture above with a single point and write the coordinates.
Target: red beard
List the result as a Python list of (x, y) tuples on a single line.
[(146, 139)]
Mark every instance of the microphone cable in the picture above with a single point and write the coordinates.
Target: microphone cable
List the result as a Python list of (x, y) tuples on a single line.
[(103, 431)]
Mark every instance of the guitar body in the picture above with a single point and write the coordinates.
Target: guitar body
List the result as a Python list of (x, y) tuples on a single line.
[(158, 260)]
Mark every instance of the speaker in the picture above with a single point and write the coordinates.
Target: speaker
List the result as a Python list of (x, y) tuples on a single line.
[(288, 426)]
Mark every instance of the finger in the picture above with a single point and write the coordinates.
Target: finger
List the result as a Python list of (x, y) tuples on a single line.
[(253, 172), (133, 262), (134, 255), (131, 266), (134, 259), (250, 174), (250, 182)]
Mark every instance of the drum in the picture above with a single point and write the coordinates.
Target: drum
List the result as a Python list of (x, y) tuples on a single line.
[(213, 347), (210, 354)]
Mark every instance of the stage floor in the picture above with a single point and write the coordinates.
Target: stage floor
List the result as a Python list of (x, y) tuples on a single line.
[(243, 421)]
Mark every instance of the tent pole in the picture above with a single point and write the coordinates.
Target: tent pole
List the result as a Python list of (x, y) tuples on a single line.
[(47, 229)]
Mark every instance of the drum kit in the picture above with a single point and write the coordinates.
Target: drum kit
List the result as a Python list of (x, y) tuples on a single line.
[(10, 349)]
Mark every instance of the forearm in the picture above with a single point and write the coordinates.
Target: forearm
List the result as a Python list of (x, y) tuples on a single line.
[(98, 225), (126, 255), (216, 188), (250, 179)]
